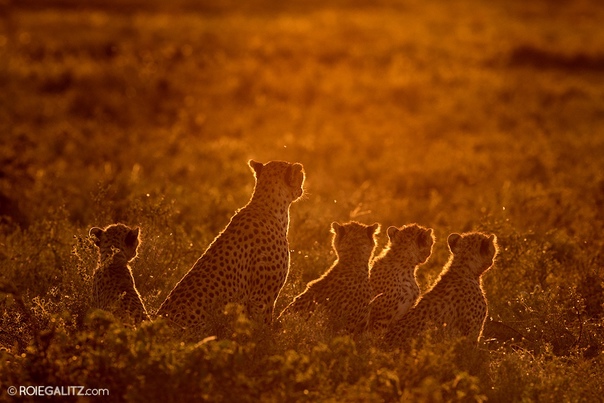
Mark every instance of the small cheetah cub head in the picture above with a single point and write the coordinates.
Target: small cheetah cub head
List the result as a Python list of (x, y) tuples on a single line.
[(354, 237), (476, 250), (117, 240), (280, 176), (411, 240)]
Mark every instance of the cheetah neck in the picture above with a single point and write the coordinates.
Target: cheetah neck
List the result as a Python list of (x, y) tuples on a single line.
[(279, 209), (111, 256), (356, 262), (461, 268), (116, 267), (394, 264), (353, 270)]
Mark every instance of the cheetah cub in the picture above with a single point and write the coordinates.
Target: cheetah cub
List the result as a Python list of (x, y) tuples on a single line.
[(457, 300), (248, 262), (113, 287), (392, 274), (343, 291)]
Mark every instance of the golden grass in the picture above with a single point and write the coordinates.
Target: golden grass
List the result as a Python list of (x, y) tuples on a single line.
[(457, 115)]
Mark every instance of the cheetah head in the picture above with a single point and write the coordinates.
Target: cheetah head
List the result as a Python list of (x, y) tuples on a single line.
[(413, 239), (478, 250), (354, 236), (280, 176), (117, 240)]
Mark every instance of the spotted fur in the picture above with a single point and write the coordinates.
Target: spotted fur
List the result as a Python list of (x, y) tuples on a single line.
[(456, 304), (113, 287), (343, 292), (248, 262), (392, 274)]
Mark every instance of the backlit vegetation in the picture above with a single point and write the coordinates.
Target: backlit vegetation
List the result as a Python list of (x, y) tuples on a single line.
[(462, 115)]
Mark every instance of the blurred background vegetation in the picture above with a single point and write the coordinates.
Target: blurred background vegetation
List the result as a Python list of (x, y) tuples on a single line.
[(457, 115)]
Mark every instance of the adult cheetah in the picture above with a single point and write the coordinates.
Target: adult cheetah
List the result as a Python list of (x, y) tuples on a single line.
[(248, 262), (113, 287), (457, 300), (343, 292), (392, 274)]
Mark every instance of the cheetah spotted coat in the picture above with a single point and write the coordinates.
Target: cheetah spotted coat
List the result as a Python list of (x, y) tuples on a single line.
[(392, 274), (248, 262), (456, 304), (343, 292), (113, 287)]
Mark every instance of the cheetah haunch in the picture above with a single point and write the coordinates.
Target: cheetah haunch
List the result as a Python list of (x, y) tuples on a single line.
[(248, 262), (456, 304), (392, 274), (113, 287), (343, 292)]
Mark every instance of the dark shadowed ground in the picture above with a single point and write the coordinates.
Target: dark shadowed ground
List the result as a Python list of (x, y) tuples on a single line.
[(461, 115)]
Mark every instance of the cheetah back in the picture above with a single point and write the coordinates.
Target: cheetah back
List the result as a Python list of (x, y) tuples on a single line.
[(457, 302), (392, 275), (248, 262), (113, 285), (343, 292)]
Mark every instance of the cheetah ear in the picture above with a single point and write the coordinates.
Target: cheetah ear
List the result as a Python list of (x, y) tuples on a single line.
[(372, 230), (289, 175), (426, 238), (337, 229), (256, 167), (391, 231), (493, 239), (488, 246), (96, 234), (132, 237), (294, 175), (453, 240)]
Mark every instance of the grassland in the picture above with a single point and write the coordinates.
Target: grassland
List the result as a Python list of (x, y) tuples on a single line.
[(460, 115)]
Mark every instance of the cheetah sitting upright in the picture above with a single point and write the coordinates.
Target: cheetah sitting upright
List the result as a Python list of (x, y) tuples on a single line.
[(343, 291), (392, 274), (113, 287), (457, 301), (248, 262)]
